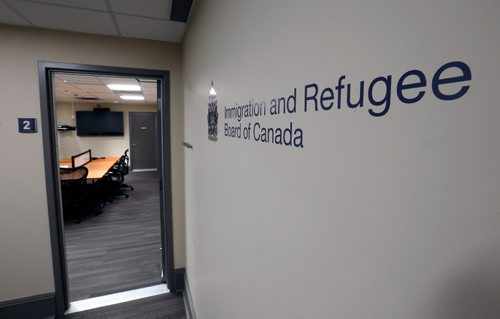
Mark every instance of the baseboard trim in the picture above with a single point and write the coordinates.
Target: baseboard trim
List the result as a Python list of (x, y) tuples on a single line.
[(178, 282), (188, 299), (39, 306)]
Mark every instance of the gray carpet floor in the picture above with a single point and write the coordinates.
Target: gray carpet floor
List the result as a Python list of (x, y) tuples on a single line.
[(118, 250), (164, 306)]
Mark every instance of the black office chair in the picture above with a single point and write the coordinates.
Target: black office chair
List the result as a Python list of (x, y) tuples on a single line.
[(125, 169), (74, 191), (115, 178)]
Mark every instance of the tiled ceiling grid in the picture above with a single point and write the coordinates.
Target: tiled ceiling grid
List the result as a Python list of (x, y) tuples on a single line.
[(145, 19), (78, 88)]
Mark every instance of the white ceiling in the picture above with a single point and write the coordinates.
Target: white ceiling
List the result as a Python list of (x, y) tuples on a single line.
[(145, 19), (77, 88)]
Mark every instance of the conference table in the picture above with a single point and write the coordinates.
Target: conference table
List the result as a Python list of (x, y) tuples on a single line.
[(97, 167)]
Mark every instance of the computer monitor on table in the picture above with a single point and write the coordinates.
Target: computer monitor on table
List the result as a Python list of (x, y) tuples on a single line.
[(81, 159)]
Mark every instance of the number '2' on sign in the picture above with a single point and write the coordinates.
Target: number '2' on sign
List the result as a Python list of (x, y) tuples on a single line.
[(27, 125)]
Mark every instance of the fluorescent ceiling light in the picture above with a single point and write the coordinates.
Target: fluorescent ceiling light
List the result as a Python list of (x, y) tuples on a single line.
[(124, 87), (132, 97)]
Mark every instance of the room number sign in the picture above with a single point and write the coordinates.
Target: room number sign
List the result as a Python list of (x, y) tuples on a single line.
[(27, 125)]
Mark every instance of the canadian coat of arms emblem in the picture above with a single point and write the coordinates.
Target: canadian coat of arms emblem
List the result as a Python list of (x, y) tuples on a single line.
[(212, 116)]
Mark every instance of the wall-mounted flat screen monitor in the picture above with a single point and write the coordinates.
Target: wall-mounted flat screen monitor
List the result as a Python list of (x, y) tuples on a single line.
[(99, 123)]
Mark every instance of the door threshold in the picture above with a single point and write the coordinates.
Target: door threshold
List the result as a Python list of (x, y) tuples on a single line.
[(113, 299)]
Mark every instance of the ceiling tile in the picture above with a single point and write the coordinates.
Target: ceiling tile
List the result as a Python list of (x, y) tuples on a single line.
[(149, 88), (63, 99), (149, 92), (94, 88), (62, 87), (78, 79), (64, 94), (116, 80), (9, 16), (87, 4), (86, 94), (127, 102), (63, 18), (136, 27), (159, 9), (57, 79), (73, 90), (108, 95)]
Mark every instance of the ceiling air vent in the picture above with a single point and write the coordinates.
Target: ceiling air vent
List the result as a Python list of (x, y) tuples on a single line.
[(180, 10), (87, 98)]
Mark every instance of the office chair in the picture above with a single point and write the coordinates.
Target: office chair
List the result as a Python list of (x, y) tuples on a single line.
[(74, 191), (123, 166), (115, 178), (125, 169)]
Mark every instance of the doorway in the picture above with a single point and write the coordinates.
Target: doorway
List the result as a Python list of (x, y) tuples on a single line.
[(111, 220), (143, 141), (51, 160)]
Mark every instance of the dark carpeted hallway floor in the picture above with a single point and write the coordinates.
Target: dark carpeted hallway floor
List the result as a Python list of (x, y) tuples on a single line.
[(168, 306), (120, 249)]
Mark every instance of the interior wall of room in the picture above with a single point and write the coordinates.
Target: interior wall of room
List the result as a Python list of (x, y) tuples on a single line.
[(389, 216), (26, 266), (70, 143)]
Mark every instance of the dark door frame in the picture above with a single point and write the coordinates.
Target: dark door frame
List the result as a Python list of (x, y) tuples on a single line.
[(48, 127), (130, 128)]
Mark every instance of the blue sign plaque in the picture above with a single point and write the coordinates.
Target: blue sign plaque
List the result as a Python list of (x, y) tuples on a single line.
[(27, 125)]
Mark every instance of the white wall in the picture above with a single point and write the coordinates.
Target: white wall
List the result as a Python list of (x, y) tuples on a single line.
[(375, 217), (26, 262), (71, 144)]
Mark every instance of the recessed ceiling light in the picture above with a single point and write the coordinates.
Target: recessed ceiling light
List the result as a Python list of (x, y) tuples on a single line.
[(132, 97), (124, 87), (65, 81)]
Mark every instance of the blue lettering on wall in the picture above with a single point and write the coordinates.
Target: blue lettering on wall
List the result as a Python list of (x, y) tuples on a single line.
[(422, 82), (385, 100), (449, 82), (437, 81), (410, 88)]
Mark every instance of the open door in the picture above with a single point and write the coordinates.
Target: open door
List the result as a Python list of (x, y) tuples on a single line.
[(48, 125)]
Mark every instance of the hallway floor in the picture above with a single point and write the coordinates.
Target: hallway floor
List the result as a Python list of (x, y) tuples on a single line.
[(120, 249), (167, 306)]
